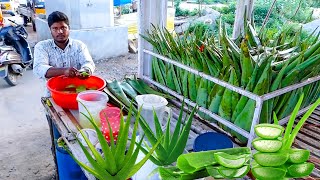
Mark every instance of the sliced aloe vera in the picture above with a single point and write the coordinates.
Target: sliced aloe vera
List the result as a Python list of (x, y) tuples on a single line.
[(268, 131), (234, 173), (300, 170), (231, 161), (268, 173), (298, 155), (267, 145), (271, 159), (213, 172)]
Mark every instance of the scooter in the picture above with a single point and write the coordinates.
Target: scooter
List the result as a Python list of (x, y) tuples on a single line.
[(15, 52)]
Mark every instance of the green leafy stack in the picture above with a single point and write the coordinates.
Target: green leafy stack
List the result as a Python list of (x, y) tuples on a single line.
[(254, 63), (275, 158), (225, 163)]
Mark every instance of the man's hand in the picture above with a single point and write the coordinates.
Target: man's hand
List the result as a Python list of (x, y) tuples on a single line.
[(83, 73), (71, 72)]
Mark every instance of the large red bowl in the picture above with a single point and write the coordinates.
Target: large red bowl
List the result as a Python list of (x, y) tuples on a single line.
[(56, 85)]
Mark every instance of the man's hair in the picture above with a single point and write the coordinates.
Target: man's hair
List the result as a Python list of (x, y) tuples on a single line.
[(57, 16)]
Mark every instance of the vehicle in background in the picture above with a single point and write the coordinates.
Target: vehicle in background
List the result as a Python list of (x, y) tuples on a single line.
[(9, 6), (31, 10)]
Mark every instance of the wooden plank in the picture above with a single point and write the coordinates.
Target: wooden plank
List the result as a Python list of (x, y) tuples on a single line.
[(308, 140), (64, 117), (313, 150), (306, 131)]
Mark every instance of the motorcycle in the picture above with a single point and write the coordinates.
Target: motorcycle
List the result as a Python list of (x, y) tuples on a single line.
[(15, 52)]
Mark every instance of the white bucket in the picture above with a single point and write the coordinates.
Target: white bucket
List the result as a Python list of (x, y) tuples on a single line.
[(94, 101)]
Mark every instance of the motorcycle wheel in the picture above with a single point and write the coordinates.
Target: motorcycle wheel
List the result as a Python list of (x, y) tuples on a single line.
[(12, 78)]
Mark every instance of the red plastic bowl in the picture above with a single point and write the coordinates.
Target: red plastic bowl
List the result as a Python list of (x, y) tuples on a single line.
[(56, 85)]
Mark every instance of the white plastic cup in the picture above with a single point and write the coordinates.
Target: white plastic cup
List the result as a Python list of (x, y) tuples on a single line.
[(94, 101)]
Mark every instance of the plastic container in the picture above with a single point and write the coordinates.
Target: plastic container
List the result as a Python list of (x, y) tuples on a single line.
[(150, 103), (68, 169), (94, 101), (113, 116), (56, 85), (211, 141)]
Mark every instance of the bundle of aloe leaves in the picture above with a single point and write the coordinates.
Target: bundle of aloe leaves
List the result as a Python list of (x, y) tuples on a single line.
[(252, 62)]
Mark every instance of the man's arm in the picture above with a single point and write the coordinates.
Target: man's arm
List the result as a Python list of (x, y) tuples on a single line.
[(86, 59)]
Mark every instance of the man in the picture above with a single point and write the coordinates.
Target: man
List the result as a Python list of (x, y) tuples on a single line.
[(60, 56)]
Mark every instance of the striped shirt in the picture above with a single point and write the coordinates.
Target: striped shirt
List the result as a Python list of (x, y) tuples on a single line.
[(47, 54)]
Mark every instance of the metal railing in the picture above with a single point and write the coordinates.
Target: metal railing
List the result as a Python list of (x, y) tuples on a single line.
[(258, 99)]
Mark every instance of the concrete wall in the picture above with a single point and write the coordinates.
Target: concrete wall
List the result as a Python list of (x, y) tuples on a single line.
[(84, 14), (102, 42)]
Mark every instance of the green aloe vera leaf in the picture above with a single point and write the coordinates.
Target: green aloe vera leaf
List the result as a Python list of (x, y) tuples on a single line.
[(267, 145), (213, 172), (195, 175), (169, 173), (268, 131), (234, 173), (300, 170), (268, 173), (297, 156), (231, 161), (195, 161), (271, 159)]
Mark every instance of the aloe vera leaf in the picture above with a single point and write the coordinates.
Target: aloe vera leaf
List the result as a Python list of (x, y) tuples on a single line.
[(133, 138), (192, 87), (157, 125), (300, 170), (268, 173), (246, 64), (195, 161), (271, 159), (95, 170), (169, 80), (275, 119), (291, 104), (234, 173), (158, 72), (300, 124), (115, 89), (167, 137), (202, 96), (311, 50), (104, 146), (128, 89), (122, 142), (169, 173), (176, 132), (213, 172), (182, 141), (268, 131), (231, 161), (195, 175), (149, 90), (225, 110), (298, 156), (267, 145), (160, 151), (184, 83)]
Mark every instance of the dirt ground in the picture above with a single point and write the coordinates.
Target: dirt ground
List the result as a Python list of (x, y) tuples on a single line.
[(24, 136)]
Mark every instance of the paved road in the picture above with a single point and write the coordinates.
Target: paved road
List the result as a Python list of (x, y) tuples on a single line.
[(24, 135)]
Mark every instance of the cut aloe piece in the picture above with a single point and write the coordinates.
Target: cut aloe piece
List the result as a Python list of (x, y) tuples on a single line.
[(271, 159), (267, 145), (231, 161), (300, 170), (234, 173), (268, 131), (298, 155), (268, 173), (213, 172)]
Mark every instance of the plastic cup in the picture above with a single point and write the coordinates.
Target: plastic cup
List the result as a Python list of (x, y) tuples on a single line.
[(94, 101), (113, 116)]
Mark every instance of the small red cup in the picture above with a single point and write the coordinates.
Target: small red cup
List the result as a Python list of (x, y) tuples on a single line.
[(113, 116)]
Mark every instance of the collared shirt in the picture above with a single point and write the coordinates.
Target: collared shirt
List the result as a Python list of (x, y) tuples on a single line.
[(47, 54)]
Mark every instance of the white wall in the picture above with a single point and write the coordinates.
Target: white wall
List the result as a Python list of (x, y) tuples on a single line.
[(102, 42), (84, 13)]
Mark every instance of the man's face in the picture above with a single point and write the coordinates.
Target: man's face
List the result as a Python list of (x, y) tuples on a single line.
[(60, 31)]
